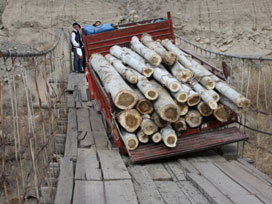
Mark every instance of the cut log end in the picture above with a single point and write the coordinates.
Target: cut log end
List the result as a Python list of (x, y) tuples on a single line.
[(130, 140), (158, 121), (193, 118), (204, 109), (144, 106), (151, 94), (169, 113), (155, 59), (148, 71), (243, 102), (213, 105), (133, 79), (183, 109), (157, 137), (182, 97), (174, 86), (193, 100), (142, 137), (130, 120), (180, 124), (125, 99), (208, 82), (222, 113), (169, 58), (148, 127)]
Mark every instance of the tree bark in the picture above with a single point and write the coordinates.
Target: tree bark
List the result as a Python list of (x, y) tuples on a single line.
[(146, 87), (122, 95), (222, 113), (156, 137), (204, 109), (135, 55), (158, 120), (215, 95), (148, 126), (193, 118), (130, 120), (118, 52), (126, 72), (181, 73), (168, 58), (142, 137), (144, 106), (165, 105), (180, 124), (130, 140), (183, 108), (166, 79), (147, 53), (205, 95), (228, 103), (169, 136)]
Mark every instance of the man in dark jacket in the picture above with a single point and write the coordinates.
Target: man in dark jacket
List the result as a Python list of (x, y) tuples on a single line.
[(77, 48)]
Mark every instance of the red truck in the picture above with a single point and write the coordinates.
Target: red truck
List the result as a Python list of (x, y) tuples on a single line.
[(211, 134)]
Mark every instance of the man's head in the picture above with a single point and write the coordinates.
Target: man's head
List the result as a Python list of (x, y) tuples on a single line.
[(76, 26), (97, 23)]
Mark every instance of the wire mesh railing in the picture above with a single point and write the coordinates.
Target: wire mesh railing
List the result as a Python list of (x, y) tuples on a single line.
[(32, 101)]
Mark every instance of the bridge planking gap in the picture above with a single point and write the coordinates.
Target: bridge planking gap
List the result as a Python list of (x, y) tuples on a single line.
[(87, 166), (65, 184)]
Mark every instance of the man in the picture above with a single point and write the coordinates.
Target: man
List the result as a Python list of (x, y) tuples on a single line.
[(97, 23), (77, 48)]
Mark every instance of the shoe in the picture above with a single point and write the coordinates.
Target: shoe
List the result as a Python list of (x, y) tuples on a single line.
[(76, 71)]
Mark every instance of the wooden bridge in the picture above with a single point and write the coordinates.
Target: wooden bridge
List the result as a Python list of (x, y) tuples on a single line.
[(93, 171)]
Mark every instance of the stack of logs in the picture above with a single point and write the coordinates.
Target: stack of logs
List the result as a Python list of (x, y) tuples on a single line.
[(158, 90)]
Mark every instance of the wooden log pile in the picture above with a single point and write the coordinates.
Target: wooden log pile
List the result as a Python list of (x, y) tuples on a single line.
[(160, 92)]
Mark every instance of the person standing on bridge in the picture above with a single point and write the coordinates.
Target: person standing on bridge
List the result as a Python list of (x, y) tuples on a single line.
[(77, 48)]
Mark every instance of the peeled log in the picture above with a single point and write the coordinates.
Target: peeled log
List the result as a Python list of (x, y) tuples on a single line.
[(204, 94), (142, 137), (169, 136), (180, 124), (193, 118), (193, 97), (204, 109), (147, 53), (222, 113), (156, 137), (181, 73), (122, 95), (122, 69), (148, 126), (139, 66), (168, 58), (130, 120), (130, 140), (228, 103), (166, 79), (215, 95), (183, 108), (158, 121), (165, 105), (144, 106), (146, 87), (181, 96), (135, 55)]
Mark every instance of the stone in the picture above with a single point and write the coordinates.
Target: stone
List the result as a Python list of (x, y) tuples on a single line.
[(224, 49)]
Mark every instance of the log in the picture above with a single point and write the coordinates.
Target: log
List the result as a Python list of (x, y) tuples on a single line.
[(208, 82), (146, 87), (204, 109), (147, 53), (181, 73), (215, 95), (156, 137), (148, 126), (126, 72), (168, 58), (144, 106), (165, 106), (166, 79), (142, 137), (158, 120), (126, 58), (193, 118), (180, 124), (130, 140), (135, 55), (228, 103), (181, 96), (169, 136), (130, 120), (122, 95), (205, 95), (193, 97), (222, 113), (183, 108)]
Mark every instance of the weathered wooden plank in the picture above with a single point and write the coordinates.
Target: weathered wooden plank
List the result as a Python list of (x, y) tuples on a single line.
[(144, 186), (176, 169), (70, 100), (96, 121), (89, 192), (71, 138), (208, 189), (83, 93), (121, 192), (247, 180), (65, 184), (47, 195), (87, 166), (187, 166), (158, 172), (101, 140), (171, 192), (83, 121), (112, 165), (192, 193), (71, 82)]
